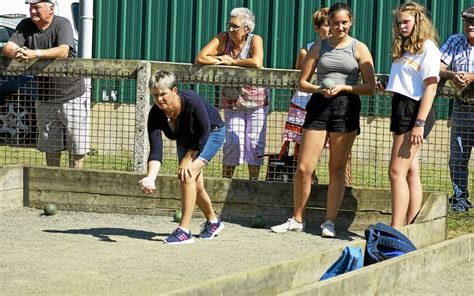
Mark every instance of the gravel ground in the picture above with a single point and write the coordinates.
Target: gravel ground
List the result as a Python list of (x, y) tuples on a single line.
[(456, 280), (88, 253)]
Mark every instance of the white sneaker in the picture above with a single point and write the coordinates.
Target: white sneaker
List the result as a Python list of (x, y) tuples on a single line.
[(290, 225), (328, 229)]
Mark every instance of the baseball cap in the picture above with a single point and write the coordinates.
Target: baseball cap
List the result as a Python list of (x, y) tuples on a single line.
[(468, 13), (38, 1)]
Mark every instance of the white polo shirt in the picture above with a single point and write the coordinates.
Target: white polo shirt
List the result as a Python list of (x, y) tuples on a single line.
[(409, 71)]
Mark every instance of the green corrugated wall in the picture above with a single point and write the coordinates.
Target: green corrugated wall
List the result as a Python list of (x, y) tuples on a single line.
[(175, 30)]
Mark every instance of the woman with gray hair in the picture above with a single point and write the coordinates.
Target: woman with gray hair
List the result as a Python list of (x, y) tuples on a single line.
[(240, 26), (245, 107)]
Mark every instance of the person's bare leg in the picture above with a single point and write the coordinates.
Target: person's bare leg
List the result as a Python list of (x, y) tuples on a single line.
[(403, 154), (203, 200), (254, 172), (53, 159), (415, 188), (310, 149), (348, 177), (193, 192), (340, 148), (76, 161), (188, 200), (228, 171)]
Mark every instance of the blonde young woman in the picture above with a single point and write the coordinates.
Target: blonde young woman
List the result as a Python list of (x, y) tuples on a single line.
[(414, 76), (331, 111)]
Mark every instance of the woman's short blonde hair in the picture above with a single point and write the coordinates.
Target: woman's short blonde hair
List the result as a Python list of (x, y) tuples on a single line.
[(320, 16), (162, 80)]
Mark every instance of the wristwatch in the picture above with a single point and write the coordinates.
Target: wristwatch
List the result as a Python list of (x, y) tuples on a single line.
[(420, 122)]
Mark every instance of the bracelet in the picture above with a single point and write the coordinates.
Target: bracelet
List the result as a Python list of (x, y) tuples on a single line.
[(420, 122), (38, 53)]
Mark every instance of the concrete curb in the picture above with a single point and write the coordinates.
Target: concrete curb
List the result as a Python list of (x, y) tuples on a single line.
[(273, 279), (11, 187), (382, 277), (112, 192), (301, 273)]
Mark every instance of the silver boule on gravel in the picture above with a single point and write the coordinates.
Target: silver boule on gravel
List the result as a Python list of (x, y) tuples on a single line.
[(50, 209)]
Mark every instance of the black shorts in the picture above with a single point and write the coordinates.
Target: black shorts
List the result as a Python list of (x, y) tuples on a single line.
[(404, 113), (339, 114)]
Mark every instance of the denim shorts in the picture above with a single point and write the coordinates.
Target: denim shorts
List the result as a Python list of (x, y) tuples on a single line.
[(339, 114), (404, 113), (213, 144)]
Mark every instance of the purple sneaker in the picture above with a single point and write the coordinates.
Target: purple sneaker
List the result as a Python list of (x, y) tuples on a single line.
[(179, 237), (209, 230)]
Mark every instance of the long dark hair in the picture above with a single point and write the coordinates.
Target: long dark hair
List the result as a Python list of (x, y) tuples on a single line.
[(337, 7)]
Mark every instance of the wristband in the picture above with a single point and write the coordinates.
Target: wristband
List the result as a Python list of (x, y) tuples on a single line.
[(38, 53), (420, 122)]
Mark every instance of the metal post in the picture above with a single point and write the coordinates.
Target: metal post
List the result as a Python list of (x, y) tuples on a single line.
[(142, 107), (85, 37)]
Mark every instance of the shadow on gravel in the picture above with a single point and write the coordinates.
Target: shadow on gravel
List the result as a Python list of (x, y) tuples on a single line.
[(245, 200), (103, 234), (342, 234)]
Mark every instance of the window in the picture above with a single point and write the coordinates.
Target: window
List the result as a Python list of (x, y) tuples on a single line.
[(5, 34), (75, 15)]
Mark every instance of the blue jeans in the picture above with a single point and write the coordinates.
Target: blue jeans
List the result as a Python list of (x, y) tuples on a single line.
[(212, 146), (461, 142)]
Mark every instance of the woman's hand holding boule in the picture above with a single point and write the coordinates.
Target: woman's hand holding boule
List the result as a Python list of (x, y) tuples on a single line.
[(147, 184)]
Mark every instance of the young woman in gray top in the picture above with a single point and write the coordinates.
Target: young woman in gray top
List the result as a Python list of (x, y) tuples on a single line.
[(332, 110)]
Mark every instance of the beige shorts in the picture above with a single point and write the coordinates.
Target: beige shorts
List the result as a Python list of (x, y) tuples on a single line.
[(60, 122)]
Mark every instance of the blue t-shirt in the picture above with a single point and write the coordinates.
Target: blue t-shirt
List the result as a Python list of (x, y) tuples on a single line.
[(197, 119), (456, 53)]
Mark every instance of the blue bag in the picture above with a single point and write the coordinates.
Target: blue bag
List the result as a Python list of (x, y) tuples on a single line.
[(351, 259), (385, 242)]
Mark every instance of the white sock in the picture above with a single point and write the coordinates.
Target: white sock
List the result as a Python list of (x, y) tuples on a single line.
[(184, 229), (214, 220)]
